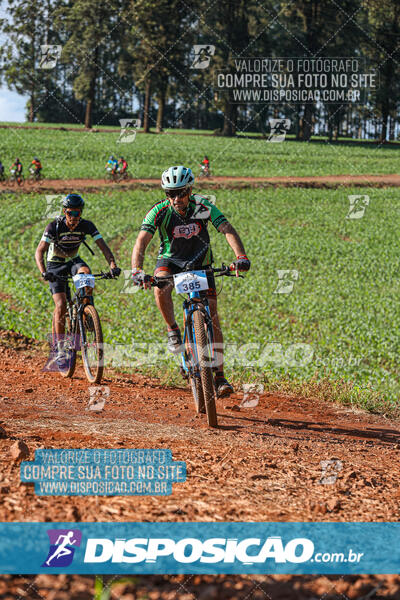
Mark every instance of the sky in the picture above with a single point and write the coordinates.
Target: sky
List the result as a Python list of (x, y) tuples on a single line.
[(12, 106)]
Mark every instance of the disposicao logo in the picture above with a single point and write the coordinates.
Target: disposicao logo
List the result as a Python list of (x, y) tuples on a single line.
[(190, 550), (62, 542)]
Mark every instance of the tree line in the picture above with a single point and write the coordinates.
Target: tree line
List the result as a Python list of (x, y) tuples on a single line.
[(135, 58)]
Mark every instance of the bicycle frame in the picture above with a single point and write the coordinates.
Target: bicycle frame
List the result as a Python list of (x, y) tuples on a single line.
[(193, 302), (76, 301)]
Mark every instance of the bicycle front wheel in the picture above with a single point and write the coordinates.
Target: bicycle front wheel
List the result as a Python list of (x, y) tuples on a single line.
[(92, 344), (194, 374), (204, 356)]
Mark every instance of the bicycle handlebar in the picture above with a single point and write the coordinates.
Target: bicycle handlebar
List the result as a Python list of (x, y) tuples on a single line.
[(97, 275), (220, 272)]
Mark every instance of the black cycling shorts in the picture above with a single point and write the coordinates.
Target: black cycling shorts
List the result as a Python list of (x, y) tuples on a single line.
[(164, 265), (70, 267)]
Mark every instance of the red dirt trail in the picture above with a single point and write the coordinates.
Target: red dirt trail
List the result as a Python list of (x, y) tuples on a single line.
[(323, 181), (261, 464)]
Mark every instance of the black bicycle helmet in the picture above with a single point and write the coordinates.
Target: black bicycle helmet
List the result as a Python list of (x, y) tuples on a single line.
[(73, 201)]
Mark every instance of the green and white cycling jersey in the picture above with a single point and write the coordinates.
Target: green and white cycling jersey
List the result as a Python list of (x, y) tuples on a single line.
[(185, 238)]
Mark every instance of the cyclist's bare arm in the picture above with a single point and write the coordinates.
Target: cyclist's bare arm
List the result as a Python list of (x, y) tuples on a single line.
[(232, 237), (39, 255), (139, 249), (108, 255)]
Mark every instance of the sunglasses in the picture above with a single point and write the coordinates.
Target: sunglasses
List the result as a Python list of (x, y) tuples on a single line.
[(176, 193), (73, 213)]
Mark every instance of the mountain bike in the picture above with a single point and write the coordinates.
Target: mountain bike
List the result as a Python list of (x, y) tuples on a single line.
[(111, 175), (82, 327), (117, 176), (34, 177), (198, 356), (16, 178), (124, 176), (204, 172)]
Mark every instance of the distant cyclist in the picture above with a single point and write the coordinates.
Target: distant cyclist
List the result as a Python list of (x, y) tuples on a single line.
[(181, 219), (36, 167), (112, 165), (122, 165), (16, 168), (205, 164), (61, 240)]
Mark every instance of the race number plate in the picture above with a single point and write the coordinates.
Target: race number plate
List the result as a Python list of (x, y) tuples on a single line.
[(192, 281), (82, 280)]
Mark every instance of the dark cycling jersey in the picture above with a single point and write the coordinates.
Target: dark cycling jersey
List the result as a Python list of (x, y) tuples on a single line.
[(184, 238), (65, 243)]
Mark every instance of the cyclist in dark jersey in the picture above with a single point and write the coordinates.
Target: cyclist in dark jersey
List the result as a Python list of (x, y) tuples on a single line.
[(181, 219), (16, 168), (61, 240)]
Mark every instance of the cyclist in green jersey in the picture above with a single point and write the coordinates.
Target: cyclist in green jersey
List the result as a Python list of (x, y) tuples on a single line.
[(181, 219)]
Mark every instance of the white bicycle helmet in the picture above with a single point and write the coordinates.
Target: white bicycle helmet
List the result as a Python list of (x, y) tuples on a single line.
[(177, 177)]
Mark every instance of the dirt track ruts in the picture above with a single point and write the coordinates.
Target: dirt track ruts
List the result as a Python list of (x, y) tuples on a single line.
[(262, 464), (322, 181)]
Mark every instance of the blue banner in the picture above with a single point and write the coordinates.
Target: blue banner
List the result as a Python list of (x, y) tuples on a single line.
[(103, 472), (203, 548)]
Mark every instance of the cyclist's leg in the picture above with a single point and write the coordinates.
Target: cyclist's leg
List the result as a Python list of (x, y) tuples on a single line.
[(163, 297), (58, 288), (60, 301), (223, 387), (218, 337)]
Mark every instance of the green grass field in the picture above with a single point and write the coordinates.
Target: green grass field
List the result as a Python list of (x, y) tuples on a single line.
[(343, 310), (75, 154)]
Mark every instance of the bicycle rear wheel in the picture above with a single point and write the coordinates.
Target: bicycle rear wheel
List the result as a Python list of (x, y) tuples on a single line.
[(204, 355), (69, 345), (92, 344)]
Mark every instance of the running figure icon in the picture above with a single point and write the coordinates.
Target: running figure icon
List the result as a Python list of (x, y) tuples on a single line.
[(62, 549), (63, 543)]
